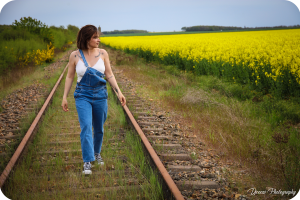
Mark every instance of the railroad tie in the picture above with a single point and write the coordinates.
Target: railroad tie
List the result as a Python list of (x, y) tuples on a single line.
[(159, 137), (168, 146), (197, 185), (179, 168), (172, 157), (146, 117)]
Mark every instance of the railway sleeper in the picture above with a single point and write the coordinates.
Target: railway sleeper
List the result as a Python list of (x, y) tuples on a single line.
[(75, 152), (96, 174), (152, 129), (118, 192), (196, 185), (151, 123), (15, 130), (173, 157), (83, 181), (145, 117), (10, 136), (8, 144), (72, 163), (167, 146), (180, 168), (159, 137)]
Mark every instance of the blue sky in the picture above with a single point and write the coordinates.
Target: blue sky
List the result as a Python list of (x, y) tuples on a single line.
[(154, 15)]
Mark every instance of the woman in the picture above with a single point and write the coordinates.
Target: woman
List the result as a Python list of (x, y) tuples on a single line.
[(91, 65)]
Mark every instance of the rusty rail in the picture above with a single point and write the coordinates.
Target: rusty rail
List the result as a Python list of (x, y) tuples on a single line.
[(165, 175), (28, 135)]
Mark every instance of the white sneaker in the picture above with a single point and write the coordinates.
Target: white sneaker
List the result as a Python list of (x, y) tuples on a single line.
[(99, 159), (87, 168)]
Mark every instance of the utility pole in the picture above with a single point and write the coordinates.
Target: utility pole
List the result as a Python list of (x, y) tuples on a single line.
[(99, 29)]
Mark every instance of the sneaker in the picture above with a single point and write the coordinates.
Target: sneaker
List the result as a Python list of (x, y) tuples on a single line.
[(99, 159), (87, 168)]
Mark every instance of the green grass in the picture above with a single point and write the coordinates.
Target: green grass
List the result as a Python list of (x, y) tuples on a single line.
[(26, 76), (16, 43), (226, 116), (11, 50)]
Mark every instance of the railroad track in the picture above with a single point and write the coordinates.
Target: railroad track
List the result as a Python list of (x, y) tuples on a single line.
[(52, 165), (195, 180)]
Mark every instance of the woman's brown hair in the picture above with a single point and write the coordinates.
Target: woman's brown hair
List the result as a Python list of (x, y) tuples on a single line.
[(85, 34)]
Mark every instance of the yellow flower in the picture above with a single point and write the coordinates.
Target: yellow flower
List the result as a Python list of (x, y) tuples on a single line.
[(260, 51)]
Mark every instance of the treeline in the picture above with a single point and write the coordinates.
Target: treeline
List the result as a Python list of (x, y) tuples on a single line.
[(123, 32), (29, 41), (225, 28)]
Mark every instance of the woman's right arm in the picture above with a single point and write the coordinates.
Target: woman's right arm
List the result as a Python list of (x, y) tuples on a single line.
[(69, 80)]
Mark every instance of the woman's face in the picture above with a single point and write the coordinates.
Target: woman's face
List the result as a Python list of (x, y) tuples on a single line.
[(94, 41)]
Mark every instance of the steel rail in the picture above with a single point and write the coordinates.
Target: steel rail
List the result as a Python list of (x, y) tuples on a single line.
[(29, 133), (166, 176)]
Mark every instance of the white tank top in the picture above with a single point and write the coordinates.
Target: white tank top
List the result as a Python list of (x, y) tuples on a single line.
[(81, 68)]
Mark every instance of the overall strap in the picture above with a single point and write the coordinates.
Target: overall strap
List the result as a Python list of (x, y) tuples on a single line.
[(83, 58)]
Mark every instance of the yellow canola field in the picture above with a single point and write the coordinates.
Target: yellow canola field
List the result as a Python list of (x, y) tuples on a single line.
[(265, 53)]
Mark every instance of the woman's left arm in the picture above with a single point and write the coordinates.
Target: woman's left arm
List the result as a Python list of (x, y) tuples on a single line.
[(111, 78)]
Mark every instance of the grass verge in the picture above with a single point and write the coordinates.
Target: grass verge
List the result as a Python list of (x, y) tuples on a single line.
[(255, 132)]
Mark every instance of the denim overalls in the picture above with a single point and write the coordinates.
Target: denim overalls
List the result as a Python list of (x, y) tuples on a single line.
[(91, 104)]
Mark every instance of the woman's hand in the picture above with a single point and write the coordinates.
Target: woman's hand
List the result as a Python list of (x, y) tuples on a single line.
[(69, 80), (111, 78), (64, 105), (122, 99)]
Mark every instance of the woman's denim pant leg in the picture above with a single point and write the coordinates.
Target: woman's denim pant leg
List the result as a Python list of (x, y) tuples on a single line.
[(91, 113)]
